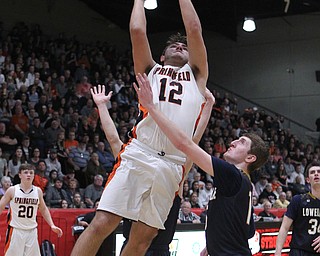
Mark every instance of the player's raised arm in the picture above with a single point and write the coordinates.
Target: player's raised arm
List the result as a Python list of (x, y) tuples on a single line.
[(196, 47), (101, 100), (179, 139), (141, 51)]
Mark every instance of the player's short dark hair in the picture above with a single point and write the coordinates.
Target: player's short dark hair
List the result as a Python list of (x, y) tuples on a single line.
[(313, 163), (175, 38), (26, 167), (259, 149)]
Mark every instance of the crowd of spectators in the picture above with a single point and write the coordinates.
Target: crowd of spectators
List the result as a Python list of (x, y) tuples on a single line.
[(47, 118)]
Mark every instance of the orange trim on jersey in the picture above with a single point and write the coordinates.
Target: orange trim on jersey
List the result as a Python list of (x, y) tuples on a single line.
[(182, 179), (199, 116), (8, 239), (117, 164), (144, 115)]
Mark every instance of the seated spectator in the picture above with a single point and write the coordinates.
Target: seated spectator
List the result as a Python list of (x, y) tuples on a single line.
[(267, 193), (5, 184), (195, 187), (40, 179), (72, 188), (26, 148), (261, 183), (281, 202), (3, 165), (255, 202), (71, 141), (53, 175), (186, 215), (197, 177), (64, 204), (37, 136), (7, 142), (295, 174), (14, 164), (297, 187), (56, 194), (35, 157), (186, 191), (53, 162), (78, 161), (93, 191), (105, 157), (205, 193), (77, 201), (289, 195), (266, 214), (194, 201), (93, 168)]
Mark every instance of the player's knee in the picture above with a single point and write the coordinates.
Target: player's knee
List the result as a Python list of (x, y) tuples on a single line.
[(104, 223)]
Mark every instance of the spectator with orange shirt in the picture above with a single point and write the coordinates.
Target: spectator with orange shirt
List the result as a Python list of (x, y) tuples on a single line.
[(40, 178), (71, 141), (19, 123)]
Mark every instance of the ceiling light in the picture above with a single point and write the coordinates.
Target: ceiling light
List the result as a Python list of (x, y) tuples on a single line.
[(150, 4), (249, 25)]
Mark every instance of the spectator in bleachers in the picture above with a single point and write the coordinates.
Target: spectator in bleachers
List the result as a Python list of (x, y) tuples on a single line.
[(271, 166), (297, 187), (255, 202), (93, 191), (78, 159), (56, 194), (194, 201), (71, 141), (53, 175), (72, 187), (289, 167), (282, 174), (261, 183), (205, 193), (19, 123), (94, 168), (105, 157), (7, 142), (5, 184), (268, 194), (296, 173), (52, 133), (77, 201), (281, 202), (53, 163), (40, 179), (14, 163), (3, 165), (186, 215), (37, 135), (186, 191), (266, 214)]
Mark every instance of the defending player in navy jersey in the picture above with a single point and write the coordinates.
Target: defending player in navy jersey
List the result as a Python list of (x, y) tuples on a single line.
[(230, 209), (25, 199), (303, 213)]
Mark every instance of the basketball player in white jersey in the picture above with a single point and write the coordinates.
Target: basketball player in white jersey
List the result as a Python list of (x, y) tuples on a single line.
[(149, 168), (25, 200)]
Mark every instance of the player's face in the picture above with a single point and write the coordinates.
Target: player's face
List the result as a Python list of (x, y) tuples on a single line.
[(26, 175), (238, 150), (314, 175), (177, 52)]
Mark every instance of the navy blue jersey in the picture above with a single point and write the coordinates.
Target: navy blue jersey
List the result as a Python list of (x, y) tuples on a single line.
[(160, 244), (230, 217), (304, 210)]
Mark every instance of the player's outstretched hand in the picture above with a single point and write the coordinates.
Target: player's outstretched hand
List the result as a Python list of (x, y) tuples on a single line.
[(316, 244), (57, 230), (144, 90), (99, 94)]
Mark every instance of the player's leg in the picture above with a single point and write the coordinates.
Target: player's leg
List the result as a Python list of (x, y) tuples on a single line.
[(102, 225), (15, 242), (141, 236), (32, 246)]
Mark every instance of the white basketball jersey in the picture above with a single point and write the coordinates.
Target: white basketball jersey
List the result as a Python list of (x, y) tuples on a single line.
[(176, 94), (23, 208)]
